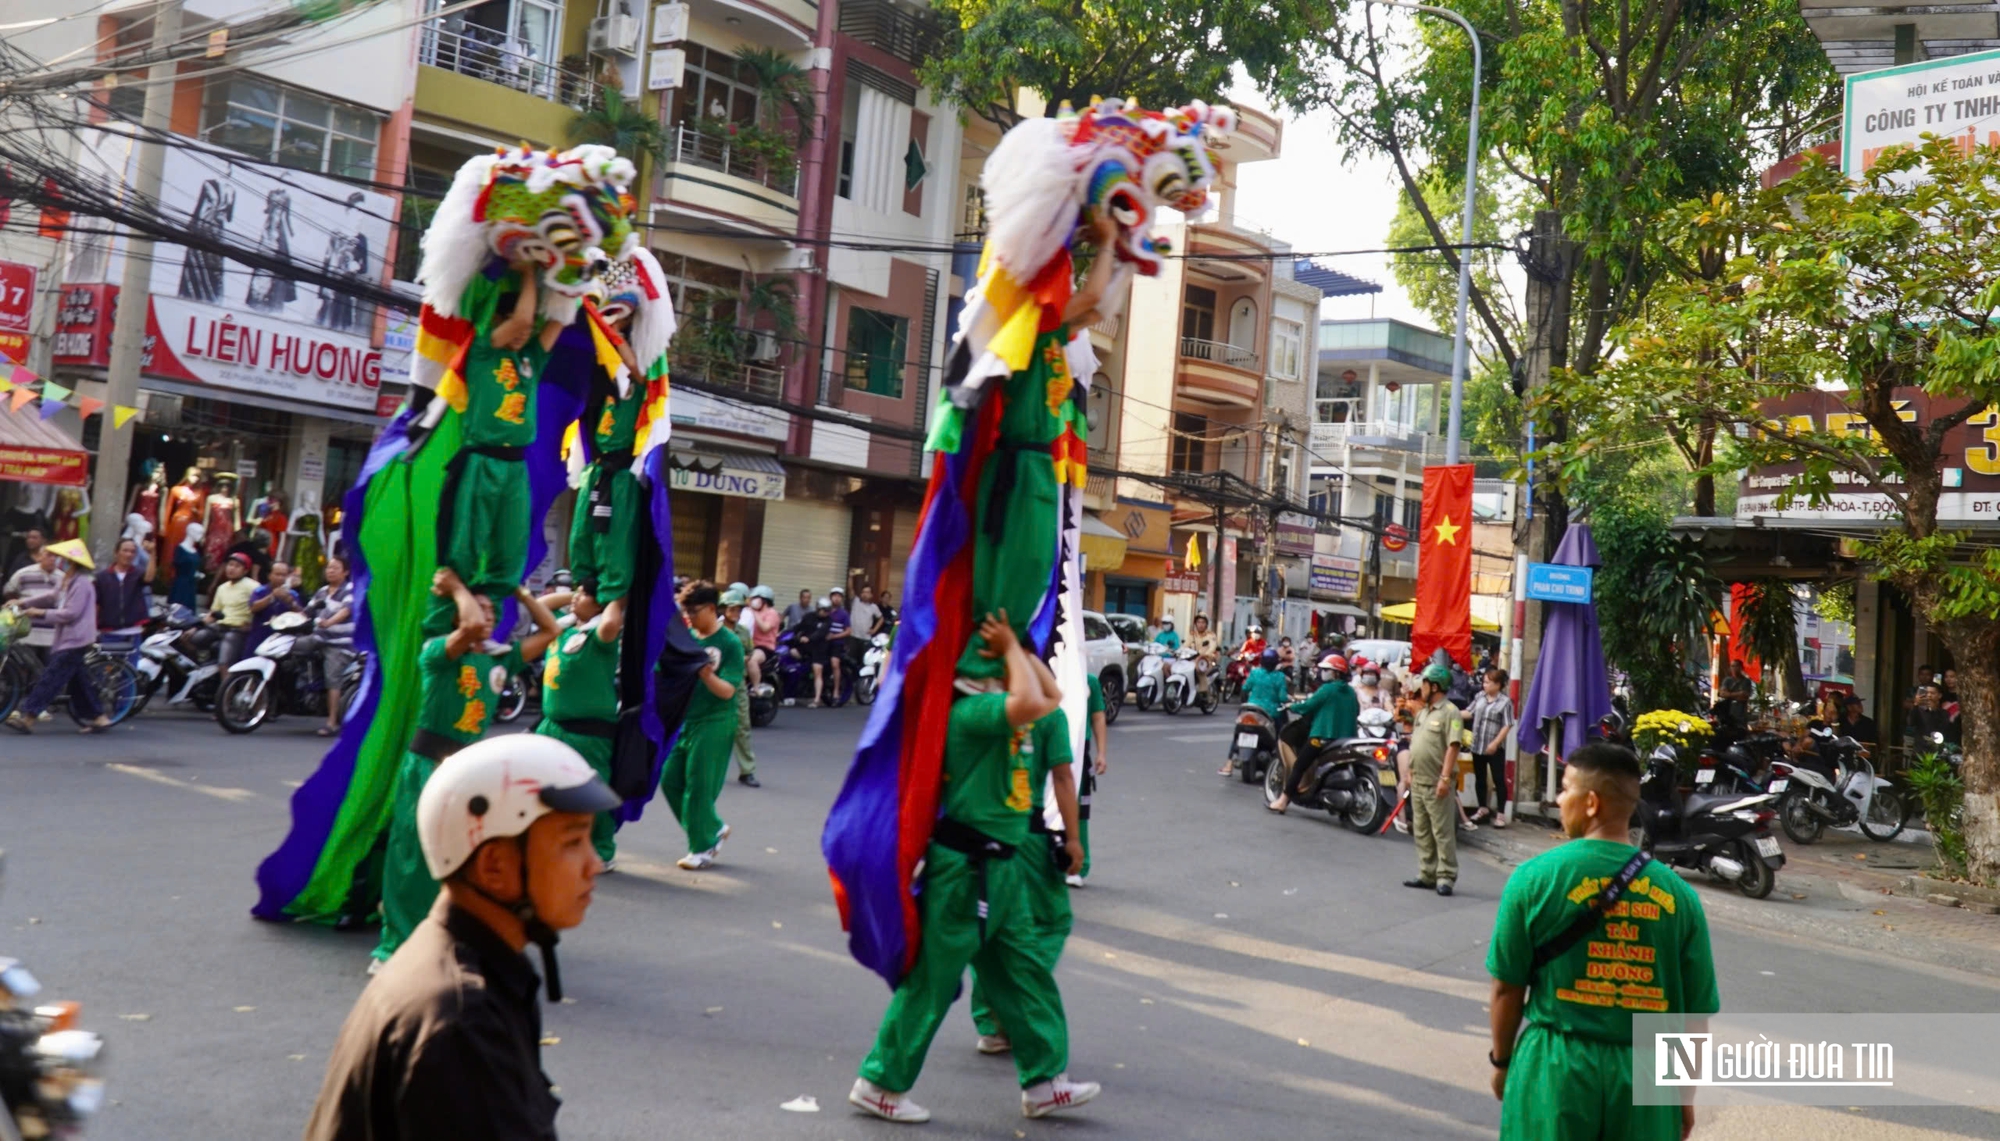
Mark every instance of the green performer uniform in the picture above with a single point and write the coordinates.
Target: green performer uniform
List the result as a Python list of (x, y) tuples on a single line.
[(1086, 781), (1434, 822), (700, 758), (1570, 1076), (989, 790), (1048, 914), (460, 696), (580, 709), (483, 528), (1018, 512), (602, 539)]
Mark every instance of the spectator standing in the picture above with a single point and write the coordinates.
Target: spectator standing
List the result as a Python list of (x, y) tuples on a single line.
[(1491, 716), (1574, 1057), (122, 599), (1929, 719), (799, 611), (71, 609), (332, 608), (38, 578), (839, 627), (32, 542), (866, 615), (737, 618)]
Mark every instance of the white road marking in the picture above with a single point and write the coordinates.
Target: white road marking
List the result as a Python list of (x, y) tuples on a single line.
[(1201, 738), (157, 777)]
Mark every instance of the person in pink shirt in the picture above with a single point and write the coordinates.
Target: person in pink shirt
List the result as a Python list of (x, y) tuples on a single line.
[(765, 622)]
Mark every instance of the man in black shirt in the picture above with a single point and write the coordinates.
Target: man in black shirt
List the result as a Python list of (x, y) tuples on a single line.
[(1855, 724), (446, 1040)]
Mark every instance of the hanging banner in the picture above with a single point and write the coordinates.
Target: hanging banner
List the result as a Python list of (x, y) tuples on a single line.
[(1971, 461), (17, 310), (1336, 577)]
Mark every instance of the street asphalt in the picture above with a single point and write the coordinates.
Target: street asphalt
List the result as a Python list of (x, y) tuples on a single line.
[(1231, 975)]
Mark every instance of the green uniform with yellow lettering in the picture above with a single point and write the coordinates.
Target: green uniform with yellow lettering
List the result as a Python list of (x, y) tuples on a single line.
[(1086, 773), (1049, 915), (580, 709), (602, 536), (483, 527), (699, 761), (1570, 1077), (460, 696)]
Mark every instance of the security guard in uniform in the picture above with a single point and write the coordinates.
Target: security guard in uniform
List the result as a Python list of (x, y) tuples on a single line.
[(1434, 744)]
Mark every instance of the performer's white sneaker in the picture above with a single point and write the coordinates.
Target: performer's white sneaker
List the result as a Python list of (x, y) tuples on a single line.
[(1044, 1098), (697, 861), (871, 1098), (721, 836), (994, 1044), (1073, 881)]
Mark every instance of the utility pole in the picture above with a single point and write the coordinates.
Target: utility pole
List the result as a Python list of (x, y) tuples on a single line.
[(128, 332), (1540, 519)]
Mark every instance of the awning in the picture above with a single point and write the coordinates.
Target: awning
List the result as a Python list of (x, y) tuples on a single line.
[(1340, 608), (732, 473), (35, 451), (1406, 613), (1103, 547)]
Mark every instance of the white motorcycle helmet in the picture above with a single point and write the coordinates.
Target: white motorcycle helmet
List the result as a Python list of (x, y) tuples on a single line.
[(495, 790), (1167, 621)]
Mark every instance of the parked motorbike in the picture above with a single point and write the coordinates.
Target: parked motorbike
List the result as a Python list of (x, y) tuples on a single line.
[(1255, 744), (282, 676), (1852, 794), (872, 664), (1152, 681), (1741, 767), (179, 660), (49, 1084), (1728, 836), (1183, 688), (1353, 779)]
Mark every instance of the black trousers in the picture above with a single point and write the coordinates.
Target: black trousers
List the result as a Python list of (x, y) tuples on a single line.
[(1496, 764)]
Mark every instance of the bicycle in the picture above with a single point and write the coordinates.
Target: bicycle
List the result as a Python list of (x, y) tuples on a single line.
[(116, 682)]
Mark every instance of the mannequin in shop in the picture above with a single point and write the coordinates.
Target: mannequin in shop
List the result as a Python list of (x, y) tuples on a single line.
[(222, 517), (146, 501), (71, 515), (184, 504)]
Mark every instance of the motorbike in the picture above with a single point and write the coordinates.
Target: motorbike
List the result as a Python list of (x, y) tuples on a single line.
[(795, 677), (1255, 744), (1353, 779), (1152, 683), (1233, 677), (49, 1083), (1744, 766), (872, 664), (1728, 836), (1182, 687), (521, 688), (1852, 794), (179, 659), (282, 676)]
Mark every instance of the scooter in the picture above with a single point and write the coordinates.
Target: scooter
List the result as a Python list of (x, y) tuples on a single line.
[(872, 664), (282, 676), (1233, 677), (1853, 794), (1255, 744), (180, 660), (1152, 682), (1728, 836), (49, 1083), (1742, 767), (1182, 687), (1353, 779)]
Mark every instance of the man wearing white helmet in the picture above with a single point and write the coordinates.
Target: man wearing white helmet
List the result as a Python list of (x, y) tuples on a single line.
[(446, 1041)]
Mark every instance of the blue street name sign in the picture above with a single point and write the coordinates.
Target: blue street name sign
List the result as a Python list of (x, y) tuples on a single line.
[(1553, 582)]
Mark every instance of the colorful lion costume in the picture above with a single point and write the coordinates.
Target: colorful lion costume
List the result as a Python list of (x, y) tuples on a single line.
[(1000, 521)]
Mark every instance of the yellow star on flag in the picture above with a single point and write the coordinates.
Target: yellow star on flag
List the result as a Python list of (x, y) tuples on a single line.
[(1446, 532)]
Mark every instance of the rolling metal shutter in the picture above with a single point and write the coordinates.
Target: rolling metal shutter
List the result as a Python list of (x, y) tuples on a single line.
[(805, 547)]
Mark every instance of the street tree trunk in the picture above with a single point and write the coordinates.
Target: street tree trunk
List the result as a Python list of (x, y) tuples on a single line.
[(1975, 650)]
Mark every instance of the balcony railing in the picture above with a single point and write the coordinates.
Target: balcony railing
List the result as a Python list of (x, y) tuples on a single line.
[(1400, 437), (480, 53), (717, 153), (1221, 352)]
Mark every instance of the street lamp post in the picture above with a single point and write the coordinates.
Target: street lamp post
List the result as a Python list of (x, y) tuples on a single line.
[(1458, 347)]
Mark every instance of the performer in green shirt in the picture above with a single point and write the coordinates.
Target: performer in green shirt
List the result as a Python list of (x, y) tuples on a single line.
[(580, 698), (1568, 1074), (463, 672), (700, 758), (1096, 745), (975, 898), (602, 539)]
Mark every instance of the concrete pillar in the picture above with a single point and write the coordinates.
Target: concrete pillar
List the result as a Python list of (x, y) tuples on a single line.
[(304, 476), (1867, 630)]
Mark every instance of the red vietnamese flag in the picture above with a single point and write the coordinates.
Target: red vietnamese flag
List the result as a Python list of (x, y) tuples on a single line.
[(1444, 567)]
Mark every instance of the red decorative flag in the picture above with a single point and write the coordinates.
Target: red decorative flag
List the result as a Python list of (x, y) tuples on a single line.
[(1444, 568)]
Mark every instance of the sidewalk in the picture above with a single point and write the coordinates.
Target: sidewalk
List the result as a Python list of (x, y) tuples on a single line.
[(1844, 889)]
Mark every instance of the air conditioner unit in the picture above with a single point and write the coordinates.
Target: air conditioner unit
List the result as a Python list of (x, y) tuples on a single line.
[(764, 347), (614, 35)]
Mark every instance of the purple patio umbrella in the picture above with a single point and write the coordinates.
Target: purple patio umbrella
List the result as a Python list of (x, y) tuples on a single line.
[(1571, 684)]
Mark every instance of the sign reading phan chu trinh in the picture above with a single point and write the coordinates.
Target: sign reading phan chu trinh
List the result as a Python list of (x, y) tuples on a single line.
[(1971, 493)]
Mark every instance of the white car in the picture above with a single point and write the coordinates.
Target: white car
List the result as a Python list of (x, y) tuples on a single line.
[(1104, 657)]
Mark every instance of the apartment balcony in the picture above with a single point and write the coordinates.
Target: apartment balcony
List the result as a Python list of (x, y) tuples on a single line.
[(1361, 442), (476, 79), (710, 178), (784, 24), (1216, 372)]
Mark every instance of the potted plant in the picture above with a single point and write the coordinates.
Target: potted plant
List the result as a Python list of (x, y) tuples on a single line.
[(1686, 733)]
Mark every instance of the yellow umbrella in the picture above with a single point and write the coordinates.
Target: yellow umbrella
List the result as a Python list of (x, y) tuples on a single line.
[(1406, 613)]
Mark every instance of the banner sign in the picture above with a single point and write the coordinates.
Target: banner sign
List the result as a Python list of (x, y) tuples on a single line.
[(1336, 576), (1971, 459), (1554, 582), (1181, 580), (1295, 533), (83, 325), (17, 310), (44, 465), (1953, 97)]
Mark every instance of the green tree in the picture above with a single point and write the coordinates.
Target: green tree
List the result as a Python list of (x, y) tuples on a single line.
[(621, 124), (1158, 52), (1604, 113), (1883, 286), (782, 86)]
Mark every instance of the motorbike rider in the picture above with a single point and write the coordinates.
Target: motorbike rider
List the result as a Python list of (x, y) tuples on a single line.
[(1166, 635), (332, 608), (1368, 688), (1266, 688), (1207, 652), (1327, 716), (1287, 658), (446, 1041), (764, 623), (1253, 642)]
